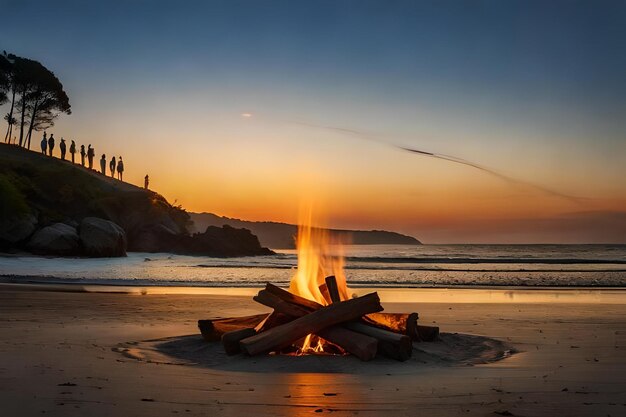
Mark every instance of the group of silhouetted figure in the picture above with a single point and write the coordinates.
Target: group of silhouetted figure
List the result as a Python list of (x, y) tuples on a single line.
[(47, 147)]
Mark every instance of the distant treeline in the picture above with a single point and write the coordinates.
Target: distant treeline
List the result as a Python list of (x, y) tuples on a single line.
[(35, 96)]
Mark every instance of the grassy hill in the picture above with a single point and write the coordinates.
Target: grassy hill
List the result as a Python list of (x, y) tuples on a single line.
[(48, 190), (59, 191)]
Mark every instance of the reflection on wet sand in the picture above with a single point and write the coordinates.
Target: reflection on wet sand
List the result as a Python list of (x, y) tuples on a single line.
[(395, 295), (321, 392)]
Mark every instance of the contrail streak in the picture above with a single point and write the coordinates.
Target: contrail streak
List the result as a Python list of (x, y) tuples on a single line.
[(449, 158)]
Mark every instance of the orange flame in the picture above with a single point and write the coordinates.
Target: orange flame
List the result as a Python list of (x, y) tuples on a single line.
[(319, 255)]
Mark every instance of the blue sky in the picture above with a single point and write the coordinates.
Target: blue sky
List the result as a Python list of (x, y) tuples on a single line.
[(535, 89)]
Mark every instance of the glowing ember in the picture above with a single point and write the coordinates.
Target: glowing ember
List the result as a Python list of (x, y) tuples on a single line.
[(319, 255)]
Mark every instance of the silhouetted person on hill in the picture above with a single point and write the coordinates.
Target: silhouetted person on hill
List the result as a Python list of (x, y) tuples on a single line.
[(73, 150), (103, 164), (82, 155), (90, 154), (63, 148), (112, 166), (146, 181), (44, 143), (120, 169), (51, 143)]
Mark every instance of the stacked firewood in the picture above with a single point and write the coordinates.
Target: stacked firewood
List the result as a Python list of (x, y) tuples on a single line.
[(354, 326)]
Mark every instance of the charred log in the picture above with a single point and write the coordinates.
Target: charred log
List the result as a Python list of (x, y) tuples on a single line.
[(231, 340), (312, 323), (390, 344), (213, 329), (360, 345)]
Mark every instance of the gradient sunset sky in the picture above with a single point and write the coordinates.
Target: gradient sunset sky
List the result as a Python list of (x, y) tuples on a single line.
[(534, 90)]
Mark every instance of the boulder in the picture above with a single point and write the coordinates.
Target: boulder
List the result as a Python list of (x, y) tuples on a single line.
[(154, 238), (17, 229), (57, 239), (72, 223), (102, 238), (222, 241)]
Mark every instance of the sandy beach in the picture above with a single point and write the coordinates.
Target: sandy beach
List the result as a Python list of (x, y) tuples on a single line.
[(66, 352), (298, 208)]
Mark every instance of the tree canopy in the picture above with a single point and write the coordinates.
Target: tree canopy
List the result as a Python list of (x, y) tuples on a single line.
[(5, 70), (36, 94)]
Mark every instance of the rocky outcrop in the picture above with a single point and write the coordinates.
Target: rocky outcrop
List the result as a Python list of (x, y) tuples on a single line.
[(14, 230), (97, 238), (156, 238), (102, 238), (215, 241), (57, 239), (224, 241), (38, 191)]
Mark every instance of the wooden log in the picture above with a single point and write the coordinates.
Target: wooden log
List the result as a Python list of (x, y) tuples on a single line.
[(231, 340), (428, 333), (274, 319), (360, 345), (333, 289), (213, 329), (411, 327), (292, 298), (393, 341), (390, 344), (282, 336), (404, 323), (279, 305), (324, 291)]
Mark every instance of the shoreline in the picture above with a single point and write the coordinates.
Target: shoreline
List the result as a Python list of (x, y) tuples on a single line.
[(54, 280), (460, 294)]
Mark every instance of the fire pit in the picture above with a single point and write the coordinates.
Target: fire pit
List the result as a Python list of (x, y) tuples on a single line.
[(299, 326), (318, 316)]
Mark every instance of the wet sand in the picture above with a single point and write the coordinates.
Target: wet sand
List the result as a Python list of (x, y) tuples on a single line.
[(60, 355)]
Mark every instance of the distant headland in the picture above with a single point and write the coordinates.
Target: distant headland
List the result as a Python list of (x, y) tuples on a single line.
[(277, 235)]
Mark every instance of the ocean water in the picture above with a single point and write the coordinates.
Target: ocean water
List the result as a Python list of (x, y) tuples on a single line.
[(371, 266)]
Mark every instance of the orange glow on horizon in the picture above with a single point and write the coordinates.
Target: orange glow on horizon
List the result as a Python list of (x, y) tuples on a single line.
[(260, 172)]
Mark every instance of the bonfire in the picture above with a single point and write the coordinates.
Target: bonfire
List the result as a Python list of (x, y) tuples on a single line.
[(318, 315)]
